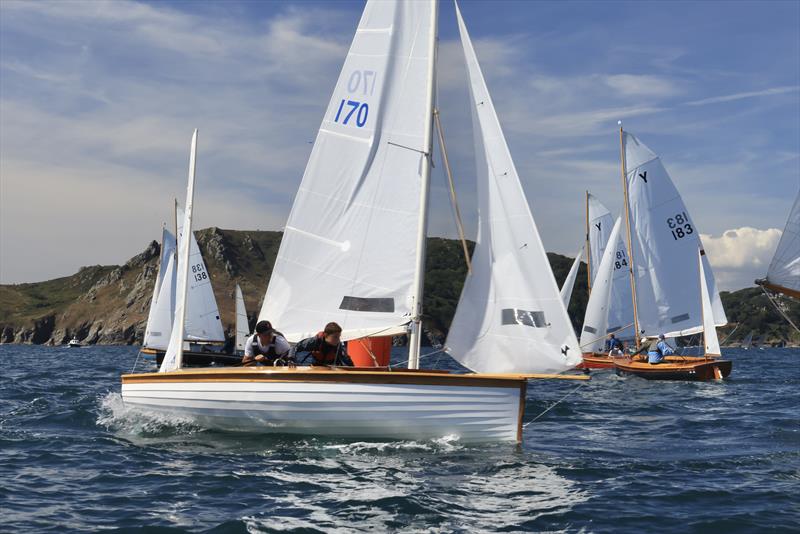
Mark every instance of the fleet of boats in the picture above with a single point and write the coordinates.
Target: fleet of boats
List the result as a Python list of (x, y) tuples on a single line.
[(353, 252)]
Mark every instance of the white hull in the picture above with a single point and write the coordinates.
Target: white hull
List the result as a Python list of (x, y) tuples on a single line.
[(393, 405)]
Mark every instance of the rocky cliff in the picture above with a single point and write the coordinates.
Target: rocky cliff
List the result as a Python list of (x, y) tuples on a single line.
[(109, 304)]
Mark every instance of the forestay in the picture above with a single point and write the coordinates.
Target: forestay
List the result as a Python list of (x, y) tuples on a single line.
[(162, 305), (784, 271), (665, 242), (202, 315), (349, 247), (595, 322), (620, 310), (710, 338), (242, 325), (510, 317)]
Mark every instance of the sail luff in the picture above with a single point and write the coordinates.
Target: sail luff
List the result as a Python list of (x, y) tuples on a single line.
[(173, 359), (415, 336), (637, 331)]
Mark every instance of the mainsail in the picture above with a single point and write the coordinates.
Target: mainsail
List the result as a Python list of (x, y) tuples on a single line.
[(784, 271), (202, 315), (162, 305), (595, 322), (510, 317), (349, 249), (242, 325), (620, 310), (664, 240)]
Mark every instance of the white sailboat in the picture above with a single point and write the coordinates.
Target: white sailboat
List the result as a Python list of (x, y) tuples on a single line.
[(242, 323), (353, 252), (663, 244)]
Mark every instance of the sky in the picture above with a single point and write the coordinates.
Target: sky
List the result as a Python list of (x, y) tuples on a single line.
[(98, 101)]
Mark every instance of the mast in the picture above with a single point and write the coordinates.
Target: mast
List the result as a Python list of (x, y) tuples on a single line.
[(415, 335), (184, 255), (628, 228), (588, 249)]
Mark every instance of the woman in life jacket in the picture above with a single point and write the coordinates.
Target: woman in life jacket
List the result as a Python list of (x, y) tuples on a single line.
[(267, 346), (326, 348)]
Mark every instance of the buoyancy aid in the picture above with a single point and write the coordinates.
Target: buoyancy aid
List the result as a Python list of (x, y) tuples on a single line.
[(269, 351), (323, 353)]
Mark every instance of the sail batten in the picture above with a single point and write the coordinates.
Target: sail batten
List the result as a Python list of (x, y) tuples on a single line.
[(510, 316)]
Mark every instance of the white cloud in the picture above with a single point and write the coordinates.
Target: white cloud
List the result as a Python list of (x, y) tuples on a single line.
[(642, 85), (741, 255), (749, 94)]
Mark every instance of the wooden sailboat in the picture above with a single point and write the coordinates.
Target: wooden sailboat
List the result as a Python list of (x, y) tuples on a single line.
[(611, 304), (666, 257), (353, 252)]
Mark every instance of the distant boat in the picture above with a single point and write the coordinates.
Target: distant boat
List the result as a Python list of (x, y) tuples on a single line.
[(667, 264), (353, 251), (747, 342), (242, 323), (74, 343)]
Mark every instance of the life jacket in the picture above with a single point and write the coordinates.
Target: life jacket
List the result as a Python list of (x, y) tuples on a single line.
[(322, 356), (269, 352)]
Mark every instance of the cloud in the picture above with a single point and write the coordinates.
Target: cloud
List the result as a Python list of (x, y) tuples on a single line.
[(748, 94), (741, 255), (642, 85)]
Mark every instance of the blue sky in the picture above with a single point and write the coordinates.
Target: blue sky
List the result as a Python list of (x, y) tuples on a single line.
[(98, 101)]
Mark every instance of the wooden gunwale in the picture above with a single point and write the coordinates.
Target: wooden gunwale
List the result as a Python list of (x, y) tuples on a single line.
[(338, 375), (781, 289), (694, 368)]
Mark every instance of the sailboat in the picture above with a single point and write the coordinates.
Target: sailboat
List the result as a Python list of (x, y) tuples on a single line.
[(673, 288), (353, 251), (610, 295), (783, 275), (204, 334)]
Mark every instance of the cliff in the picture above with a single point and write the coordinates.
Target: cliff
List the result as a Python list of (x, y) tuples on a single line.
[(109, 304)]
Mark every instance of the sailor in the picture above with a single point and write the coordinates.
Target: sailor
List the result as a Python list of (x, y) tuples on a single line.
[(326, 348), (656, 350), (663, 347), (613, 345), (266, 346)]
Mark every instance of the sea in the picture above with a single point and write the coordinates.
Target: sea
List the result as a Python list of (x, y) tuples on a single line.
[(616, 454)]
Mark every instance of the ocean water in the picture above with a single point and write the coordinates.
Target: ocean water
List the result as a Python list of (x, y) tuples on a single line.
[(615, 455)]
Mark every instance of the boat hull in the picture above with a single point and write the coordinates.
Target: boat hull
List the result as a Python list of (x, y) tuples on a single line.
[(336, 402), (676, 368), (596, 360), (198, 359)]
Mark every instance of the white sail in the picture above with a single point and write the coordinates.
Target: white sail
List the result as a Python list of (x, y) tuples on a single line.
[(665, 241), (202, 315), (510, 317), (173, 358), (162, 305), (349, 248), (620, 312), (595, 322), (569, 281), (784, 270), (709, 328), (242, 325)]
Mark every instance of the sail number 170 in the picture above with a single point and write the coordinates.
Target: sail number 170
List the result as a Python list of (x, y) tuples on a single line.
[(679, 226)]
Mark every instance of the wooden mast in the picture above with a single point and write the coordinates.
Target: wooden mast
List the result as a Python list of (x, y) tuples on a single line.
[(588, 249), (628, 227)]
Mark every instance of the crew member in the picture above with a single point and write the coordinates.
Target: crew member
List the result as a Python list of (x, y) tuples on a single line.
[(326, 348), (266, 346)]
